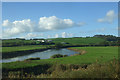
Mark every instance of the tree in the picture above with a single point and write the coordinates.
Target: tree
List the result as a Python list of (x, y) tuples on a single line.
[(57, 56), (58, 45)]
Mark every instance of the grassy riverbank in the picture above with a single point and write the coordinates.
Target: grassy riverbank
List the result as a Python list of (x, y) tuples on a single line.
[(22, 48), (99, 61), (95, 70), (102, 54), (9, 52), (18, 47)]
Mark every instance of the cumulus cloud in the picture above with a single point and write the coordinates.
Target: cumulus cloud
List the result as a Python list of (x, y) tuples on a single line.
[(6, 23), (17, 27), (56, 35), (109, 18), (32, 35), (66, 35), (54, 23), (45, 24), (70, 34)]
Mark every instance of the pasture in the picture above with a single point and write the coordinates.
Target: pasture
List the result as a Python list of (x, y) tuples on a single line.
[(93, 54), (79, 41), (22, 48)]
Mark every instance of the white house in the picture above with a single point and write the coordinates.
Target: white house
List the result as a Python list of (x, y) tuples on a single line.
[(41, 40)]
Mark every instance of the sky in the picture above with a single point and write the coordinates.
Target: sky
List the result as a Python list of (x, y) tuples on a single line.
[(60, 0), (58, 19)]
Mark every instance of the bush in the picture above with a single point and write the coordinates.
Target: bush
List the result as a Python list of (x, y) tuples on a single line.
[(65, 55), (58, 45), (95, 70), (58, 56), (33, 58)]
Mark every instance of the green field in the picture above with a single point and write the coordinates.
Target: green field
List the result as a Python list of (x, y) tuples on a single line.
[(71, 41), (16, 40), (79, 41), (22, 48), (102, 54)]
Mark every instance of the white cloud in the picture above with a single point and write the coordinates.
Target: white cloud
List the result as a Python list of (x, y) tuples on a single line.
[(66, 35), (6, 23), (32, 35), (56, 35), (17, 27), (70, 34), (109, 18), (14, 28), (54, 23)]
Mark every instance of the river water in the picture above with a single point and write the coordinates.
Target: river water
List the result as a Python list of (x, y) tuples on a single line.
[(42, 55)]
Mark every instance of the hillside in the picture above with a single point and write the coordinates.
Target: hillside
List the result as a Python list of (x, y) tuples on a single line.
[(79, 41)]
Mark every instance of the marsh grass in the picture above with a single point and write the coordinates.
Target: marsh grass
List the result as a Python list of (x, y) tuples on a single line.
[(106, 70), (96, 70)]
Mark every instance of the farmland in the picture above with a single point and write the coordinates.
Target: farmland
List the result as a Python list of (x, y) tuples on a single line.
[(38, 45), (92, 58), (15, 47), (97, 52), (103, 54), (71, 41), (79, 41), (22, 48)]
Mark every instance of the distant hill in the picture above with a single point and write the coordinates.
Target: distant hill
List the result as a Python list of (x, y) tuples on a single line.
[(79, 41), (95, 40)]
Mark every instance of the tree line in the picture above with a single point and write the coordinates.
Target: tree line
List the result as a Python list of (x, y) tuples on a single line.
[(109, 40)]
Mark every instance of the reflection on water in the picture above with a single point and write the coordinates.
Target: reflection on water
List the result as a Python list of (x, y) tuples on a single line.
[(42, 55)]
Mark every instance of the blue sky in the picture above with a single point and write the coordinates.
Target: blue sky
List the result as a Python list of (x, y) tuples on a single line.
[(59, 19)]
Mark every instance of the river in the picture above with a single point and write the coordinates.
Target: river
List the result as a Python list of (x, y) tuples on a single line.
[(42, 55)]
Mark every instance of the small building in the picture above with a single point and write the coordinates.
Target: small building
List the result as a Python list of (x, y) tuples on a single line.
[(41, 40)]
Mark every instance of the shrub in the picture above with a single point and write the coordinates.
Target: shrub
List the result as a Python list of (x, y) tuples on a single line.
[(65, 55), (95, 70), (58, 45), (57, 56), (33, 58)]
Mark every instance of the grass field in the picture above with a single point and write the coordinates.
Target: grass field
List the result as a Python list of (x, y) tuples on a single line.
[(17, 41), (72, 41), (22, 48), (79, 41), (102, 54)]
